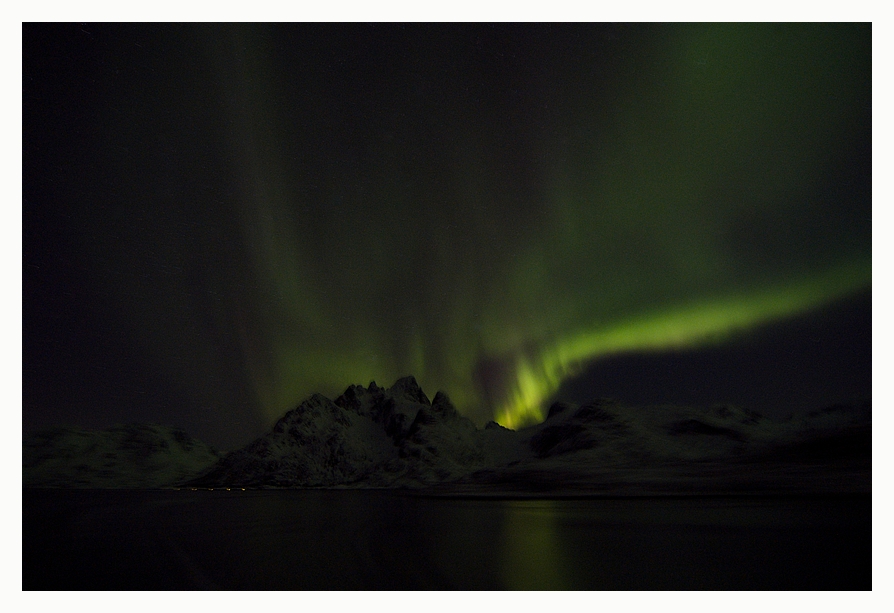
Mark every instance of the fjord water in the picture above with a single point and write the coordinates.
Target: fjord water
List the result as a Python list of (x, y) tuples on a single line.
[(392, 540)]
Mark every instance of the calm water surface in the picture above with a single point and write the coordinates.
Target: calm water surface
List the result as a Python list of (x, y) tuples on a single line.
[(368, 540)]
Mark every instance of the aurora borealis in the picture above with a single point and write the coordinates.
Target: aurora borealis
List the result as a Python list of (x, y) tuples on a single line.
[(220, 220)]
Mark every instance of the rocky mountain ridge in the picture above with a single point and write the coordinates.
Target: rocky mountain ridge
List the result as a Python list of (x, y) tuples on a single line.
[(373, 436)]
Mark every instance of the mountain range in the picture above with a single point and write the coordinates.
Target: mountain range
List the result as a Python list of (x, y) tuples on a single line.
[(375, 437)]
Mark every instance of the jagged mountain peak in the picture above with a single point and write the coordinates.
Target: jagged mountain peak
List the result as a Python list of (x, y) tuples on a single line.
[(372, 435), (407, 388)]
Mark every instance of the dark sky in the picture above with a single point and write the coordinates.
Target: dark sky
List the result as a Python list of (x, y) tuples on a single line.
[(219, 220)]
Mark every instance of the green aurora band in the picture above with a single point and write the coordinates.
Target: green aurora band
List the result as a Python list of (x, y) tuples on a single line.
[(678, 211)]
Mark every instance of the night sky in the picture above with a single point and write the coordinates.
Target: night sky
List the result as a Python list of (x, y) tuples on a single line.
[(220, 220)]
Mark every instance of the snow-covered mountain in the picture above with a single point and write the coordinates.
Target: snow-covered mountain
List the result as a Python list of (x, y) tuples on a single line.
[(373, 437), (396, 437), (126, 456), (377, 437)]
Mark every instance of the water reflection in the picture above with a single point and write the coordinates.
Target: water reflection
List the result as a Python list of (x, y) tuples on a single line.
[(369, 540), (532, 554)]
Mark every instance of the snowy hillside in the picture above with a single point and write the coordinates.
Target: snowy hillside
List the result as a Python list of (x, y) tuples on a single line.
[(127, 456), (607, 447)]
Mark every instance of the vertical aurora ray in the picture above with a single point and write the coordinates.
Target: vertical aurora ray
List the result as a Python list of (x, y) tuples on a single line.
[(452, 210)]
